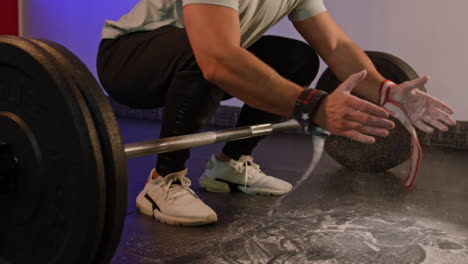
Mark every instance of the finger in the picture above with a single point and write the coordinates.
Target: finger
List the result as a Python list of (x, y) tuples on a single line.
[(365, 129), (421, 125), (442, 116), (439, 104), (367, 107), (350, 83), (410, 85), (369, 120), (373, 131), (435, 123), (355, 135)]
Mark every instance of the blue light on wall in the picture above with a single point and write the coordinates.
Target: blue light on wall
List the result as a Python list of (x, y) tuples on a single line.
[(76, 24)]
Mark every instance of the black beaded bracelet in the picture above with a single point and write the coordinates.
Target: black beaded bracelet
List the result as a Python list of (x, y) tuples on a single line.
[(306, 105)]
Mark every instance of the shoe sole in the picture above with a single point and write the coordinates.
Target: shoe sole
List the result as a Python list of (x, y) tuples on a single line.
[(213, 185), (145, 207), (178, 221)]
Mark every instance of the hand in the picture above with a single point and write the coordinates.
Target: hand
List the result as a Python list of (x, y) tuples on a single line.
[(346, 115), (425, 111)]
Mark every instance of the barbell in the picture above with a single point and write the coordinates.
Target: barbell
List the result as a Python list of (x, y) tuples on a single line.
[(63, 174)]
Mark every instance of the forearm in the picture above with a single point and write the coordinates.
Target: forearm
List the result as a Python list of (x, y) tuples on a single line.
[(247, 78), (214, 34), (340, 53), (347, 59)]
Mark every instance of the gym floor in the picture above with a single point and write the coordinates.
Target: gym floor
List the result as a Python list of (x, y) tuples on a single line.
[(336, 216)]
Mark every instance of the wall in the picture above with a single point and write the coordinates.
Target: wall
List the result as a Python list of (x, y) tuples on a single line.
[(429, 35), (76, 24), (9, 17)]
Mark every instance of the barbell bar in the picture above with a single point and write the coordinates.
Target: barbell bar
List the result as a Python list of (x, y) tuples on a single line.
[(144, 148)]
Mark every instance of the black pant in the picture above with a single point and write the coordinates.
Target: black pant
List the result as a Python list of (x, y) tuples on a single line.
[(157, 68)]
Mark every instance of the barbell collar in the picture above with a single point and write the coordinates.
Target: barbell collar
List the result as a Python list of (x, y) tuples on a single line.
[(150, 147)]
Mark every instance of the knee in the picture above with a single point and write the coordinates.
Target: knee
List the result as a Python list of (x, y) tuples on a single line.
[(304, 63), (186, 58), (293, 59)]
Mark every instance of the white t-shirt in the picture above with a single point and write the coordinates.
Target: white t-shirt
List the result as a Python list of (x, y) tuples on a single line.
[(256, 16)]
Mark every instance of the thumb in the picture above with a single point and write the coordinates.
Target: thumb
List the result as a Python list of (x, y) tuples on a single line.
[(350, 83), (413, 84)]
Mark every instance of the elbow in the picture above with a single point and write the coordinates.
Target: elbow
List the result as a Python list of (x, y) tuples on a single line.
[(214, 64), (210, 71)]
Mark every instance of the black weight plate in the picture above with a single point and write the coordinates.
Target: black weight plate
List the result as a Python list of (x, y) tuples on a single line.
[(386, 152), (111, 144), (54, 215)]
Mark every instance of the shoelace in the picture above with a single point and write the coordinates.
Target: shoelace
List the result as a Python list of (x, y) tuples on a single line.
[(184, 184), (247, 167)]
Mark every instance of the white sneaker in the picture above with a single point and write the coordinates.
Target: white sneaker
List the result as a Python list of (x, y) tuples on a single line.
[(171, 201), (244, 175)]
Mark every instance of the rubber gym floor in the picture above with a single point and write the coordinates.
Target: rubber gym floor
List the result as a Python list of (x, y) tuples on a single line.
[(335, 216)]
